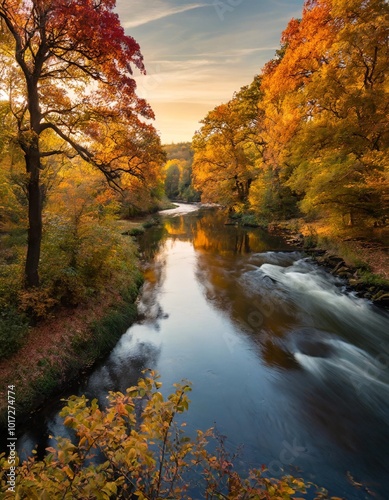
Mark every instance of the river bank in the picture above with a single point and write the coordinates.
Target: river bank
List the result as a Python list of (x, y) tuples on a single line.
[(60, 348), (361, 259), (70, 340)]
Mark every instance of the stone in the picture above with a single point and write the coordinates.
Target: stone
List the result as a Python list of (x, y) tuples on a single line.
[(383, 300)]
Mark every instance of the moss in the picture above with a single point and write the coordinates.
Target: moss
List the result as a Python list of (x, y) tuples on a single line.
[(370, 279)]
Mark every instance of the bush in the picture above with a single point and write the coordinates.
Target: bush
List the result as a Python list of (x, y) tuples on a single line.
[(311, 240), (249, 220), (13, 329), (80, 256), (150, 223), (135, 231), (134, 449)]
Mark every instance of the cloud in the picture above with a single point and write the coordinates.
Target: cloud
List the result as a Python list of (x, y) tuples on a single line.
[(156, 14), (194, 60)]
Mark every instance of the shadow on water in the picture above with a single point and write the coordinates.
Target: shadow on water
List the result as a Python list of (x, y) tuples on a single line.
[(281, 358)]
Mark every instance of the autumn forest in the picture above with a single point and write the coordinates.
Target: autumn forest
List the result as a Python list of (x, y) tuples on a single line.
[(82, 166), (310, 133)]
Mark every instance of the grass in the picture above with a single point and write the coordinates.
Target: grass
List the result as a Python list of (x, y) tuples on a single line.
[(107, 331), (370, 279)]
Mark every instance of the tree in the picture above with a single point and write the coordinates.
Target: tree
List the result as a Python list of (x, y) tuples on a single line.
[(340, 155), (181, 155), (325, 110), (284, 110), (172, 177), (226, 148), (67, 70)]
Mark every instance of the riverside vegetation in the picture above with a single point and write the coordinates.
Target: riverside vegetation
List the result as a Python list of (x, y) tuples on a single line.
[(70, 164)]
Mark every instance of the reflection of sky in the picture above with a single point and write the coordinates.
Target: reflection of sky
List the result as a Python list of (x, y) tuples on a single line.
[(198, 54)]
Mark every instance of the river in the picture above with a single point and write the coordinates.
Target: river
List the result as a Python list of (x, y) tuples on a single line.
[(283, 360)]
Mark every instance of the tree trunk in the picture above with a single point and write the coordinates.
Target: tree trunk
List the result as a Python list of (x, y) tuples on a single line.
[(33, 166), (34, 218)]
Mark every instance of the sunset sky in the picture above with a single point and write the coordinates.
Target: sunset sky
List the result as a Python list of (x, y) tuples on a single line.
[(198, 53)]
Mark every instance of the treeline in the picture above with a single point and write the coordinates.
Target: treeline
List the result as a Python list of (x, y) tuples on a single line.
[(178, 173), (309, 136)]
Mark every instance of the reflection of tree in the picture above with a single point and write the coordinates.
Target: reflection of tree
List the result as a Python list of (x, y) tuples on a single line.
[(151, 241), (216, 241), (212, 235), (234, 286), (252, 305), (207, 230)]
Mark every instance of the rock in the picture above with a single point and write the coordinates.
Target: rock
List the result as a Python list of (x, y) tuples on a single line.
[(316, 251), (340, 266), (294, 241), (355, 282), (382, 300), (379, 294), (344, 272), (333, 259)]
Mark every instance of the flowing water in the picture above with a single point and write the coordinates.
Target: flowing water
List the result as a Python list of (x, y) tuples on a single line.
[(283, 361)]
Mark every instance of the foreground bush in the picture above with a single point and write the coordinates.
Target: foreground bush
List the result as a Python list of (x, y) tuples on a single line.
[(134, 449)]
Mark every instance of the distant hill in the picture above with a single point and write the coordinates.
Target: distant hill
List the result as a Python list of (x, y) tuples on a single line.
[(179, 151)]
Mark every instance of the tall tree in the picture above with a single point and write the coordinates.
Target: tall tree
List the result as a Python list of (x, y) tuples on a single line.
[(67, 69), (226, 148), (340, 155), (325, 109), (282, 108)]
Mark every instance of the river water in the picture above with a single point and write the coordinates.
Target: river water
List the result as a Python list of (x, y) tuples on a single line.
[(282, 360)]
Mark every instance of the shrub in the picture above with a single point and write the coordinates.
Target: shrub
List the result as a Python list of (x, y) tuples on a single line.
[(135, 231), (79, 257), (249, 220), (311, 239), (13, 329), (134, 449)]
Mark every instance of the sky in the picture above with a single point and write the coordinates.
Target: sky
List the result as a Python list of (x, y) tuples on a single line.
[(198, 53)]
